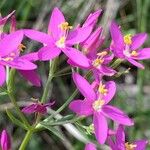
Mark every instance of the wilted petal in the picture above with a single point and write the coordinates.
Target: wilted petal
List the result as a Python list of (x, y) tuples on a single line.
[(10, 43), (48, 52), (138, 40), (135, 63), (21, 64), (81, 107), (84, 87), (77, 57), (29, 109), (31, 76), (78, 35), (3, 75), (4, 19), (141, 144), (111, 87), (100, 127), (117, 115), (38, 36), (56, 19), (90, 146)]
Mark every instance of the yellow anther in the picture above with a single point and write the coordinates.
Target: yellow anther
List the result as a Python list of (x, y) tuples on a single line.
[(97, 62), (7, 59), (104, 53), (130, 146), (21, 47), (134, 53), (65, 26), (128, 39), (61, 42), (97, 105), (102, 89)]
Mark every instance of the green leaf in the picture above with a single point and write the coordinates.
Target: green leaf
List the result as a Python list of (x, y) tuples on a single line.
[(3, 91), (54, 130), (68, 117), (15, 120)]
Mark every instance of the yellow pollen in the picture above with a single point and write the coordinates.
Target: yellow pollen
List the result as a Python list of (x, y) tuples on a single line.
[(128, 39), (97, 62), (102, 89), (97, 105), (21, 47), (65, 26), (104, 53), (61, 42), (134, 53), (130, 146), (8, 59)]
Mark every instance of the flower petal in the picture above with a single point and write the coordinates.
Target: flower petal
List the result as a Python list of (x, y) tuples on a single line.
[(138, 40), (135, 63), (120, 138), (104, 70), (111, 87), (81, 107), (3, 75), (117, 38), (21, 64), (77, 57), (29, 109), (38, 36), (56, 19), (143, 54), (10, 42), (48, 52), (31, 76), (117, 115), (78, 35), (141, 144), (111, 143), (90, 146), (31, 56), (100, 127), (92, 18), (84, 87)]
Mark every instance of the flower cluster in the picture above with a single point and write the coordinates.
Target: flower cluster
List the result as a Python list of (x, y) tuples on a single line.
[(81, 47)]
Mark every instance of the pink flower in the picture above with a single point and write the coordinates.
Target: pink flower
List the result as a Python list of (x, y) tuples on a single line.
[(92, 19), (9, 54), (60, 39), (120, 144), (90, 146), (5, 141), (96, 104), (127, 47), (30, 75), (37, 108)]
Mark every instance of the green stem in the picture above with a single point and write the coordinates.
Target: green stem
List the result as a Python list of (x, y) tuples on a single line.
[(26, 140), (52, 68), (10, 88)]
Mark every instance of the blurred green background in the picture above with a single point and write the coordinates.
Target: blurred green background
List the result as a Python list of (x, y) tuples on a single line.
[(133, 94)]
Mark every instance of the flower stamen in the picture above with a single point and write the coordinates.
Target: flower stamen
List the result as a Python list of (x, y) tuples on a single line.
[(134, 53), (65, 26), (130, 146), (97, 62), (61, 42), (97, 105), (102, 89), (128, 39)]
